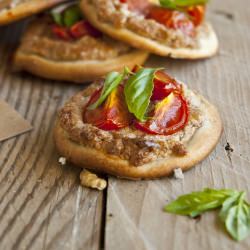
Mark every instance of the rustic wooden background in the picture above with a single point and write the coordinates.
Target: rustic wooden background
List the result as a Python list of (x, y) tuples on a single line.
[(42, 205)]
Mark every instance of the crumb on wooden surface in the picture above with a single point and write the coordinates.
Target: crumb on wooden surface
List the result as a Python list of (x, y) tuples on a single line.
[(178, 174), (62, 161), (91, 180)]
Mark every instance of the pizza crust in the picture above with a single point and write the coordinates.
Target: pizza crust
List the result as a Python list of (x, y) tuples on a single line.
[(198, 148), (208, 43), (25, 9), (76, 71)]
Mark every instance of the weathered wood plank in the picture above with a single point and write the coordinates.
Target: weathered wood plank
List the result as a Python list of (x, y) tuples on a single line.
[(134, 217), (42, 203)]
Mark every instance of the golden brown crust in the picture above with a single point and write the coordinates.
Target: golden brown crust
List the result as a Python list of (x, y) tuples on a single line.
[(78, 71), (197, 150), (208, 45), (31, 55), (25, 9)]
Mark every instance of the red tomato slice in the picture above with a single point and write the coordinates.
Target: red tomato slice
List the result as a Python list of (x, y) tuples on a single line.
[(172, 19), (61, 32), (197, 14), (113, 114), (169, 116), (84, 28), (163, 86)]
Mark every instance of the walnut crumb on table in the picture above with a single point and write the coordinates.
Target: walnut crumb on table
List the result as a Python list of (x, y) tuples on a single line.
[(91, 180)]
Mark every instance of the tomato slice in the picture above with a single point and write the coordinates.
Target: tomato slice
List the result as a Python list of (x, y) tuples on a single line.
[(78, 30), (168, 117), (163, 86), (113, 114), (196, 14), (172, 19), (61, 32), (84, 28)]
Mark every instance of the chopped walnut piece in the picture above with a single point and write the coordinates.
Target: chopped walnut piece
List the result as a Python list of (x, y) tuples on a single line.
[(179, 149), (91, 180)]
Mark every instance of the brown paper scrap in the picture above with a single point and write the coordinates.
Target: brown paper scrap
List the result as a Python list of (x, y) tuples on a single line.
[(11, 122)]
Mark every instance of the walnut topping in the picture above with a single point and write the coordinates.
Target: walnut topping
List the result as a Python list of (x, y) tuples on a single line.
[(179, 149), (39, 40)]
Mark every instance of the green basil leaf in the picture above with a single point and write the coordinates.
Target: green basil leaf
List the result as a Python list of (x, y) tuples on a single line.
[(195, 203), (238, 220), (112, 80), (138, 91), (227, 204), (72, 15), (178, 4), (57, 12), (57, 17)]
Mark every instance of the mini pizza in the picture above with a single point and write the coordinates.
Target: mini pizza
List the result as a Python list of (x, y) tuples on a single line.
[(138, 125), (173, 28), (64, 46), (13, 10)]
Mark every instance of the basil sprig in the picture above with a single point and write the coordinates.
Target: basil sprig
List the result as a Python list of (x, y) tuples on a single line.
[(235, 211), (179, 4), (67, 14), (113, 79), (138, 91)]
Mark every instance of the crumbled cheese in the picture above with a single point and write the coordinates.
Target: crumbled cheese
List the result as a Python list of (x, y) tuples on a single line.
[(153, 126), (62, 160), (178, 174), (152, 144)]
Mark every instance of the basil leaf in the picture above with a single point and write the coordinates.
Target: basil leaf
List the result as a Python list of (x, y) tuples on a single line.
[(238, 220), (195, 203), (177, 4), (227, 204), (72, 15), (57, 12), (138, 91), (57, 17), (112, 80)]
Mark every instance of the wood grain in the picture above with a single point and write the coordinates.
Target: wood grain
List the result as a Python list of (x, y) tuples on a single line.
[(42, 204), (134, 218)]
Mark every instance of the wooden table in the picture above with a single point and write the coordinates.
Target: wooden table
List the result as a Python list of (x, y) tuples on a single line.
[(42, 203)]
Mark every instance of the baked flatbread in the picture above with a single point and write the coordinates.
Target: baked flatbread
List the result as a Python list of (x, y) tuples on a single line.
[(207, 42), (70, 135), (79, 61), (11, 10)]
